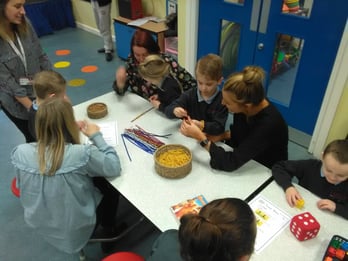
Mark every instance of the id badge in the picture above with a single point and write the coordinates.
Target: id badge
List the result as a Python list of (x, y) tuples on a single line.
[(25, 81)]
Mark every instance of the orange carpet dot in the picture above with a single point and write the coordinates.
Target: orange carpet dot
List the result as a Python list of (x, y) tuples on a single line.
[(62, 52), (62, 64), (89, 69), (76, 82)]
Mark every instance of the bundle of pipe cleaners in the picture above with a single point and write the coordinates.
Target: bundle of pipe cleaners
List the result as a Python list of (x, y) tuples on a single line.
[(144, 140)]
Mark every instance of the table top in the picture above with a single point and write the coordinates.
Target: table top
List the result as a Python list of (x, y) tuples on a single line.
[(143, 187), (285, 246)]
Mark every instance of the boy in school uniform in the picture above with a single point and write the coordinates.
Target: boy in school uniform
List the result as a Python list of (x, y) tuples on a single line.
[(202, 106), (327, 178)]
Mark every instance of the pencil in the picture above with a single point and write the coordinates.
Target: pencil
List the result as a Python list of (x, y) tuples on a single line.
[(141, 114), (125, 146)]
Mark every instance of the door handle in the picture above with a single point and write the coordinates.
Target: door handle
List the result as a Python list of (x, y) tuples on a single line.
[(264, 16), (260, 46)]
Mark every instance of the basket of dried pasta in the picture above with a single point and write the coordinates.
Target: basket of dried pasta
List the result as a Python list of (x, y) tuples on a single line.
[(173, 161)]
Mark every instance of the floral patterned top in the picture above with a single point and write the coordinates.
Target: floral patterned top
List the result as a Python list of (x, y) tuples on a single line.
[(145, 89)]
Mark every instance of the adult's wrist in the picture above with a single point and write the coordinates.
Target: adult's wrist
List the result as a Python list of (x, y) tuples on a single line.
[(204, 143), (119, 90)]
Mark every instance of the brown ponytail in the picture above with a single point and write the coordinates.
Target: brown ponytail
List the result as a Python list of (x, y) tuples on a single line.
[(224, 229)]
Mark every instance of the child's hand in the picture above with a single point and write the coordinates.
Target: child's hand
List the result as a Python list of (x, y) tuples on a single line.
[(180, 112), (326, 204), (292, 196), (88, 128), (199, 124), (121, 77), (80, 124), (154, 101), (189, 129)]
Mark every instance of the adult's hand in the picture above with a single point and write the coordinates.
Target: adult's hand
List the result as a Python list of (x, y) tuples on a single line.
[(189, 129), (121, 77)]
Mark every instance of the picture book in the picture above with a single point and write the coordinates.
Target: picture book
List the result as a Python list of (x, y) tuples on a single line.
[(193, 206)]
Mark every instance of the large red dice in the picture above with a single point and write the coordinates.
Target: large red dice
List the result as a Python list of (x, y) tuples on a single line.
[(304, 226)]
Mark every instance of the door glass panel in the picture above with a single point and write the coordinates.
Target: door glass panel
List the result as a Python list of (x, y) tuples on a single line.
[(234, 1), (287, 54), (229, 45), (297, 7)]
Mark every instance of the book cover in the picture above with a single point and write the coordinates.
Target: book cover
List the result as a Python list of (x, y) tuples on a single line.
[(193, 206)]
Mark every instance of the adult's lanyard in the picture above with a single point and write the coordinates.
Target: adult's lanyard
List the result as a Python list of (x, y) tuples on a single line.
[(20, 53)]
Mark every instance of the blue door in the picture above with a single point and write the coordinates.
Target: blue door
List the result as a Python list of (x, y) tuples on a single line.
[(296, 42)]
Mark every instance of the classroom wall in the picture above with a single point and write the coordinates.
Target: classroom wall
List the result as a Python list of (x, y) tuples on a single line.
[(181, 31), (339, 127), (84, 15)]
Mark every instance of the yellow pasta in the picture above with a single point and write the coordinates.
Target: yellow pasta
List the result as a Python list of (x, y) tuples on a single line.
[(174, 158)]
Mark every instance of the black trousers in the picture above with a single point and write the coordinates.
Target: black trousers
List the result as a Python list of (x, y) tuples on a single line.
[(22, 125), (107, 208)]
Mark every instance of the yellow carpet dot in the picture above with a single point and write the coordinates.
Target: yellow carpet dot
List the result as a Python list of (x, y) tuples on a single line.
[(62, 64), (76, 82)]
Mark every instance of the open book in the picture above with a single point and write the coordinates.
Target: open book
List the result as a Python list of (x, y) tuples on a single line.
[(193, 206)]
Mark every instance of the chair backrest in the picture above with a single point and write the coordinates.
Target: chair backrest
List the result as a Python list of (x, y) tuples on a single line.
[(122, 256), (14, 188)]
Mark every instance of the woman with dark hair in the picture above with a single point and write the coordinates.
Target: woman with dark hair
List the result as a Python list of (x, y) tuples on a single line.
[(142, 45), (21, 57), (224, 229)]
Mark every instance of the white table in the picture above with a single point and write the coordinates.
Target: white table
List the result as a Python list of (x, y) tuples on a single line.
[(153, 194), (285, 246)]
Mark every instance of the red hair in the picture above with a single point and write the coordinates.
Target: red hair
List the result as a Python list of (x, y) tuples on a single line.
[(142, 38)]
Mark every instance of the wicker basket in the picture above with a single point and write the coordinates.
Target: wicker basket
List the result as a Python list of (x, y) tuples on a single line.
[(173, 172), (97, 110)]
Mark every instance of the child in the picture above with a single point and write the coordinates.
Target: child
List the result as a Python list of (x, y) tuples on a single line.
[(127, 77), (327, 178), (51, 84), (224, 229), (158, 72), (46, 84), (258, 131), (55, 174), (202, 107)]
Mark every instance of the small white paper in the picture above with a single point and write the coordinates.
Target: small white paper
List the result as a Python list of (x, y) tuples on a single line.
[(142, 21), (109, 131), (270, 221)]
